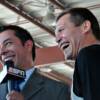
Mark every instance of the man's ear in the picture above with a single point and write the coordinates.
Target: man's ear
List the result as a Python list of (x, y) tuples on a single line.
[(28, 44), (86, 26)]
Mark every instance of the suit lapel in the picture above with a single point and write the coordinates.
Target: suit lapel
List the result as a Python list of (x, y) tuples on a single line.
[(3, 91), (33, 86)]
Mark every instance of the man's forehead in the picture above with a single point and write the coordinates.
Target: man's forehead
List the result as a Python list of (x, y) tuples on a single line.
[(5, 35), (62, 20), (7, 32)]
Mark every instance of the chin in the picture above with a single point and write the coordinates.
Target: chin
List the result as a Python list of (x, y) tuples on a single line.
[(69, 57)]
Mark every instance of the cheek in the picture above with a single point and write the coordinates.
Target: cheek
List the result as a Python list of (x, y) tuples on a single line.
[(68, 34), (73, 43), (20, 56), (19, 51), (60, 36)]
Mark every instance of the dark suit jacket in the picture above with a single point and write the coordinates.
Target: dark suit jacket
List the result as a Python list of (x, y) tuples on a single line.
[(39, 87)]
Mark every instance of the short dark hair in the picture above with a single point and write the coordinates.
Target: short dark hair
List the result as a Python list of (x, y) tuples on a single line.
[(21, 33), (79, 15)]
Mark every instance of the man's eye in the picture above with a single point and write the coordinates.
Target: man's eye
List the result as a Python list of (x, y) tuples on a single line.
[(8, 43), (60, 30)]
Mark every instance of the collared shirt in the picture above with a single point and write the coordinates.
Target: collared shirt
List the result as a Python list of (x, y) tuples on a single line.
[(28, 74)]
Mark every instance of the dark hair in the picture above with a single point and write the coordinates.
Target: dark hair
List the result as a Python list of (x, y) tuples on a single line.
[(79, 15), (21, 33)]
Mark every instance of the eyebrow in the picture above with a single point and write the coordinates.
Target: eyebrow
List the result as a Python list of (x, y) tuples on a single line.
[(6, 40)]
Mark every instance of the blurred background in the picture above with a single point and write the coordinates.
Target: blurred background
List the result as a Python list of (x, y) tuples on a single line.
[(38, 17)]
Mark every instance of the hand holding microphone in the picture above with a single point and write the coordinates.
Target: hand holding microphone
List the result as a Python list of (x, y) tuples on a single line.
[(13, 95)]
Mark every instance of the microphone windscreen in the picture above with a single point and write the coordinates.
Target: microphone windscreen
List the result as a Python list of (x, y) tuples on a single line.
[(9, 63)]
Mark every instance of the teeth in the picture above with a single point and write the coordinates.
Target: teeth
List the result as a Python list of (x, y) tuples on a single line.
[(8, 58), (64, 45)]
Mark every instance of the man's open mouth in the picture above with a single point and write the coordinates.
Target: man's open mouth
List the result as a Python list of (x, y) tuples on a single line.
[(8, 58), (64, 45)]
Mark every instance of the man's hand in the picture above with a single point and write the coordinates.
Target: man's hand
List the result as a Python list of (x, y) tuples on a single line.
[(13, 95)]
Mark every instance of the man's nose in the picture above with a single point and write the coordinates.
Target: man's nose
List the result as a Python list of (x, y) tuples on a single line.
[(58, 38)]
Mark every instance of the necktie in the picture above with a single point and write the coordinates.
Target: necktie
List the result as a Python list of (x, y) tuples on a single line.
[(17, 84), (14, 85)]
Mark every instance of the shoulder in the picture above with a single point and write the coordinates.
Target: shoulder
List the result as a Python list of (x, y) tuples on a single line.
[(88, 52), (87, 58), (50, 80), (51, 83), (90, 49), (50, 87)]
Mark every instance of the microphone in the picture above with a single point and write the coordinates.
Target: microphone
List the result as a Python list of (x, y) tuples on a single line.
[(11, 75)]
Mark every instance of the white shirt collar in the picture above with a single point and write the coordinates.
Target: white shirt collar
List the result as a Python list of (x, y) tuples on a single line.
[(28, 74)]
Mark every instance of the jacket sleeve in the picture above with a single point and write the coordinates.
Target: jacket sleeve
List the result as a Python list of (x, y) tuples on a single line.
[(73, 96)]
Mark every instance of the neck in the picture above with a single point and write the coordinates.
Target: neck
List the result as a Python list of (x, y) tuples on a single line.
[(27, 64), (88, 40)]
